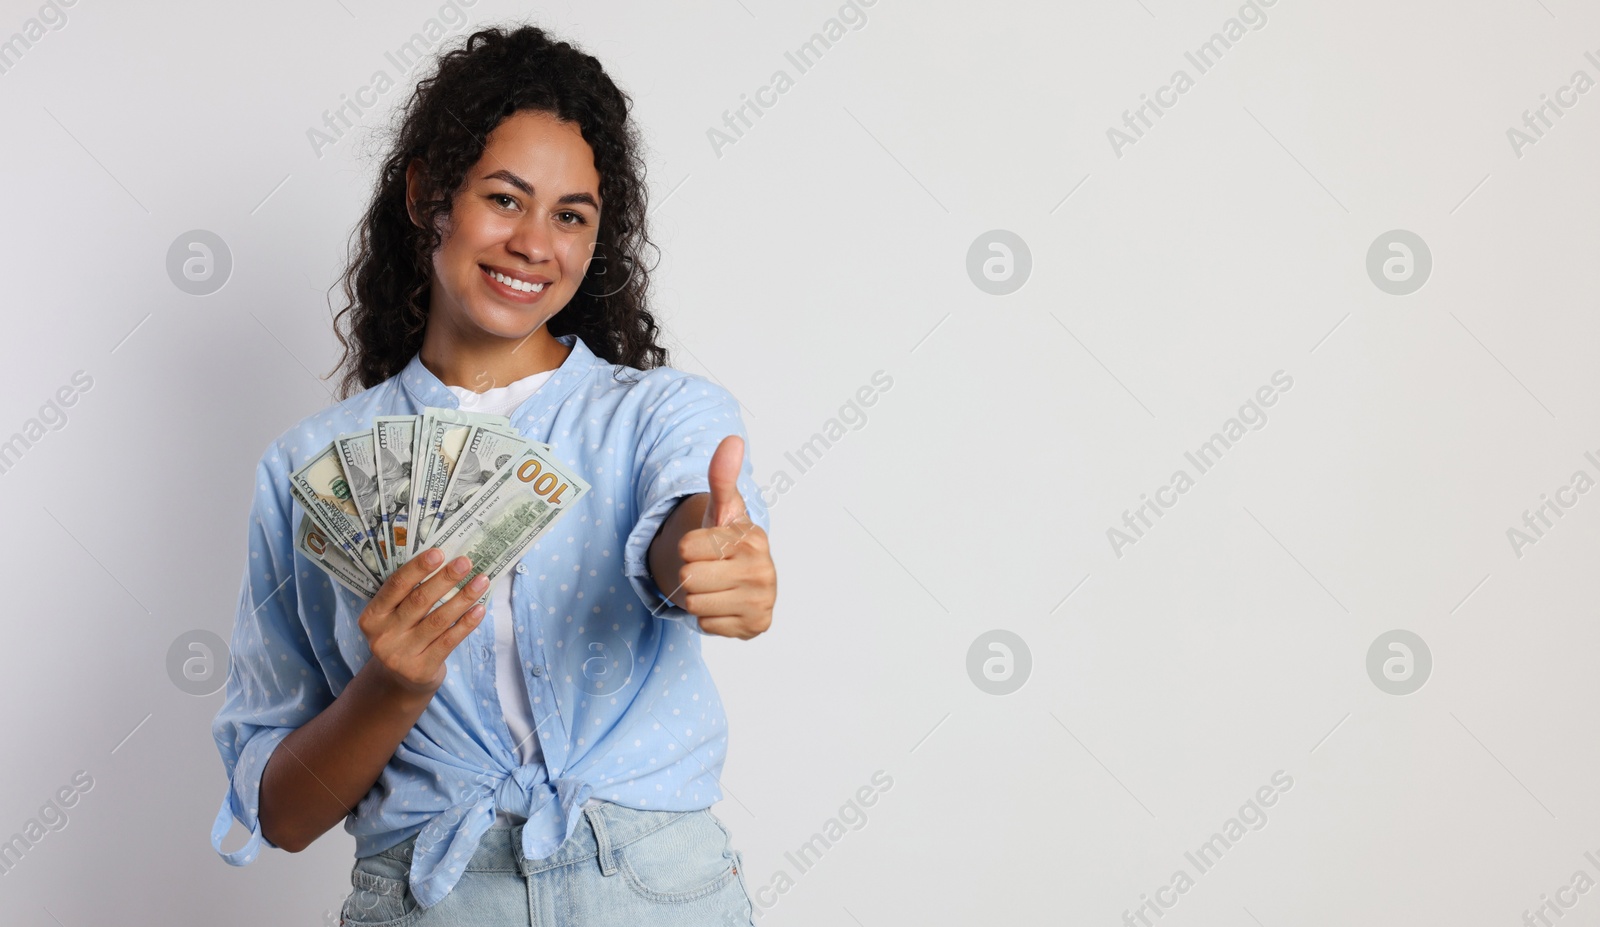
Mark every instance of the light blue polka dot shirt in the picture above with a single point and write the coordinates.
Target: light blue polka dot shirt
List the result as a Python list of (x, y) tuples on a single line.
[(626, 709)]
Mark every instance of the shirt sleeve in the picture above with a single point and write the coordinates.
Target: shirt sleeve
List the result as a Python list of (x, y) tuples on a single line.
[(683, 426), (275, 683)]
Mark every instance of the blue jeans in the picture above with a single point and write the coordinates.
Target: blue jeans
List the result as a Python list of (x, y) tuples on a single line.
[(621, 867)]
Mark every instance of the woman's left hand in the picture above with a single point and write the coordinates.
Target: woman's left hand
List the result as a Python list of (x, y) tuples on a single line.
[(728, 574)]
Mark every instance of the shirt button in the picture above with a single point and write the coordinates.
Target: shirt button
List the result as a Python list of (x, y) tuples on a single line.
[(538, 670), (521, 568)]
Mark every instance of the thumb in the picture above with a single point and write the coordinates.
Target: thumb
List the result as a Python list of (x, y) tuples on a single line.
[(727, 505)]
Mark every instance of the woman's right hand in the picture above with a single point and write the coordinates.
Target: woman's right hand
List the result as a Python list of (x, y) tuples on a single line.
[(409, 638)]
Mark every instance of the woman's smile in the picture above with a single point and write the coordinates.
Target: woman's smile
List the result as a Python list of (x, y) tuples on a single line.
[(513, 286)]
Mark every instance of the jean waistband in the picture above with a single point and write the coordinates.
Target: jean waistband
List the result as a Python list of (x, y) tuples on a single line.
[(606, 824)]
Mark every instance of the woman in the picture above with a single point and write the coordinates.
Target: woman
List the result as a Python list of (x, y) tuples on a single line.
[(555, 763)]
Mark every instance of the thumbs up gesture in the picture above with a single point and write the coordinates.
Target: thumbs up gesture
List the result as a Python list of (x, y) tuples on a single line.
[(727, 578)]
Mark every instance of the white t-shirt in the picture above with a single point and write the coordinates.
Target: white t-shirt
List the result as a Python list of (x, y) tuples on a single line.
[(508, 680)]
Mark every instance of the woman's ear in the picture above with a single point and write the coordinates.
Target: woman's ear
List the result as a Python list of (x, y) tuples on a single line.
[(413, 189)]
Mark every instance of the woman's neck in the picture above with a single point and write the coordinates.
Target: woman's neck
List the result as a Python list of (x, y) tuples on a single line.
[(485, 365)]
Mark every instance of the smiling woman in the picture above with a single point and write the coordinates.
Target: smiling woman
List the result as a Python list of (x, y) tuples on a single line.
[(521, 238), (500, 758)]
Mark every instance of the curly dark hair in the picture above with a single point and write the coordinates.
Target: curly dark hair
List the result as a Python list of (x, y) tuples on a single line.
[(492, 75)]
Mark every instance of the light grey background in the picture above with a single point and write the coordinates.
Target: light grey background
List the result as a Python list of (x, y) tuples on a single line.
[(831, 242)]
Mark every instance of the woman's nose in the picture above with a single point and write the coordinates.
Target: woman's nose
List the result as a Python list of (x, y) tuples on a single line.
[(531, 238)]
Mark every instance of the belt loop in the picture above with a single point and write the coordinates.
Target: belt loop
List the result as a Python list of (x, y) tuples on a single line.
[(602, 841)]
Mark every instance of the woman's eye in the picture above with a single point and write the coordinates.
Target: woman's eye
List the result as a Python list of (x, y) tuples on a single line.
[(567, 216)]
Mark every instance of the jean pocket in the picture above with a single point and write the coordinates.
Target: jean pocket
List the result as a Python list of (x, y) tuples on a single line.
[(749, 902), (380, 894), (685, 860)]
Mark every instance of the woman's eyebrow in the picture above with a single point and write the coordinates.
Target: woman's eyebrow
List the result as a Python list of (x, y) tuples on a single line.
[(527, 188)]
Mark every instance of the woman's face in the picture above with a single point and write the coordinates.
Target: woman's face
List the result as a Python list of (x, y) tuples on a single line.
[(529, 210)]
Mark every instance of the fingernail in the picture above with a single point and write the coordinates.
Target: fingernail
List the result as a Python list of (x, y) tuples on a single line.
[(460, 565), (432, 557)]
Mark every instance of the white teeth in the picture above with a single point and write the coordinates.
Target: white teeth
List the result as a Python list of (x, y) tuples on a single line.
[(517, 284)]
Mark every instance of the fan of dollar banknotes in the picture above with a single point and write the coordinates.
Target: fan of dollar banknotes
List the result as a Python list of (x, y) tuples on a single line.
[(464, 482)]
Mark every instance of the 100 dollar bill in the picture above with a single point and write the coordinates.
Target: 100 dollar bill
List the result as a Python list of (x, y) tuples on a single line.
[(311, 541), (355, 451), (516, 505), (483, 453), (321, 489), (393, 437), (441, 443)]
